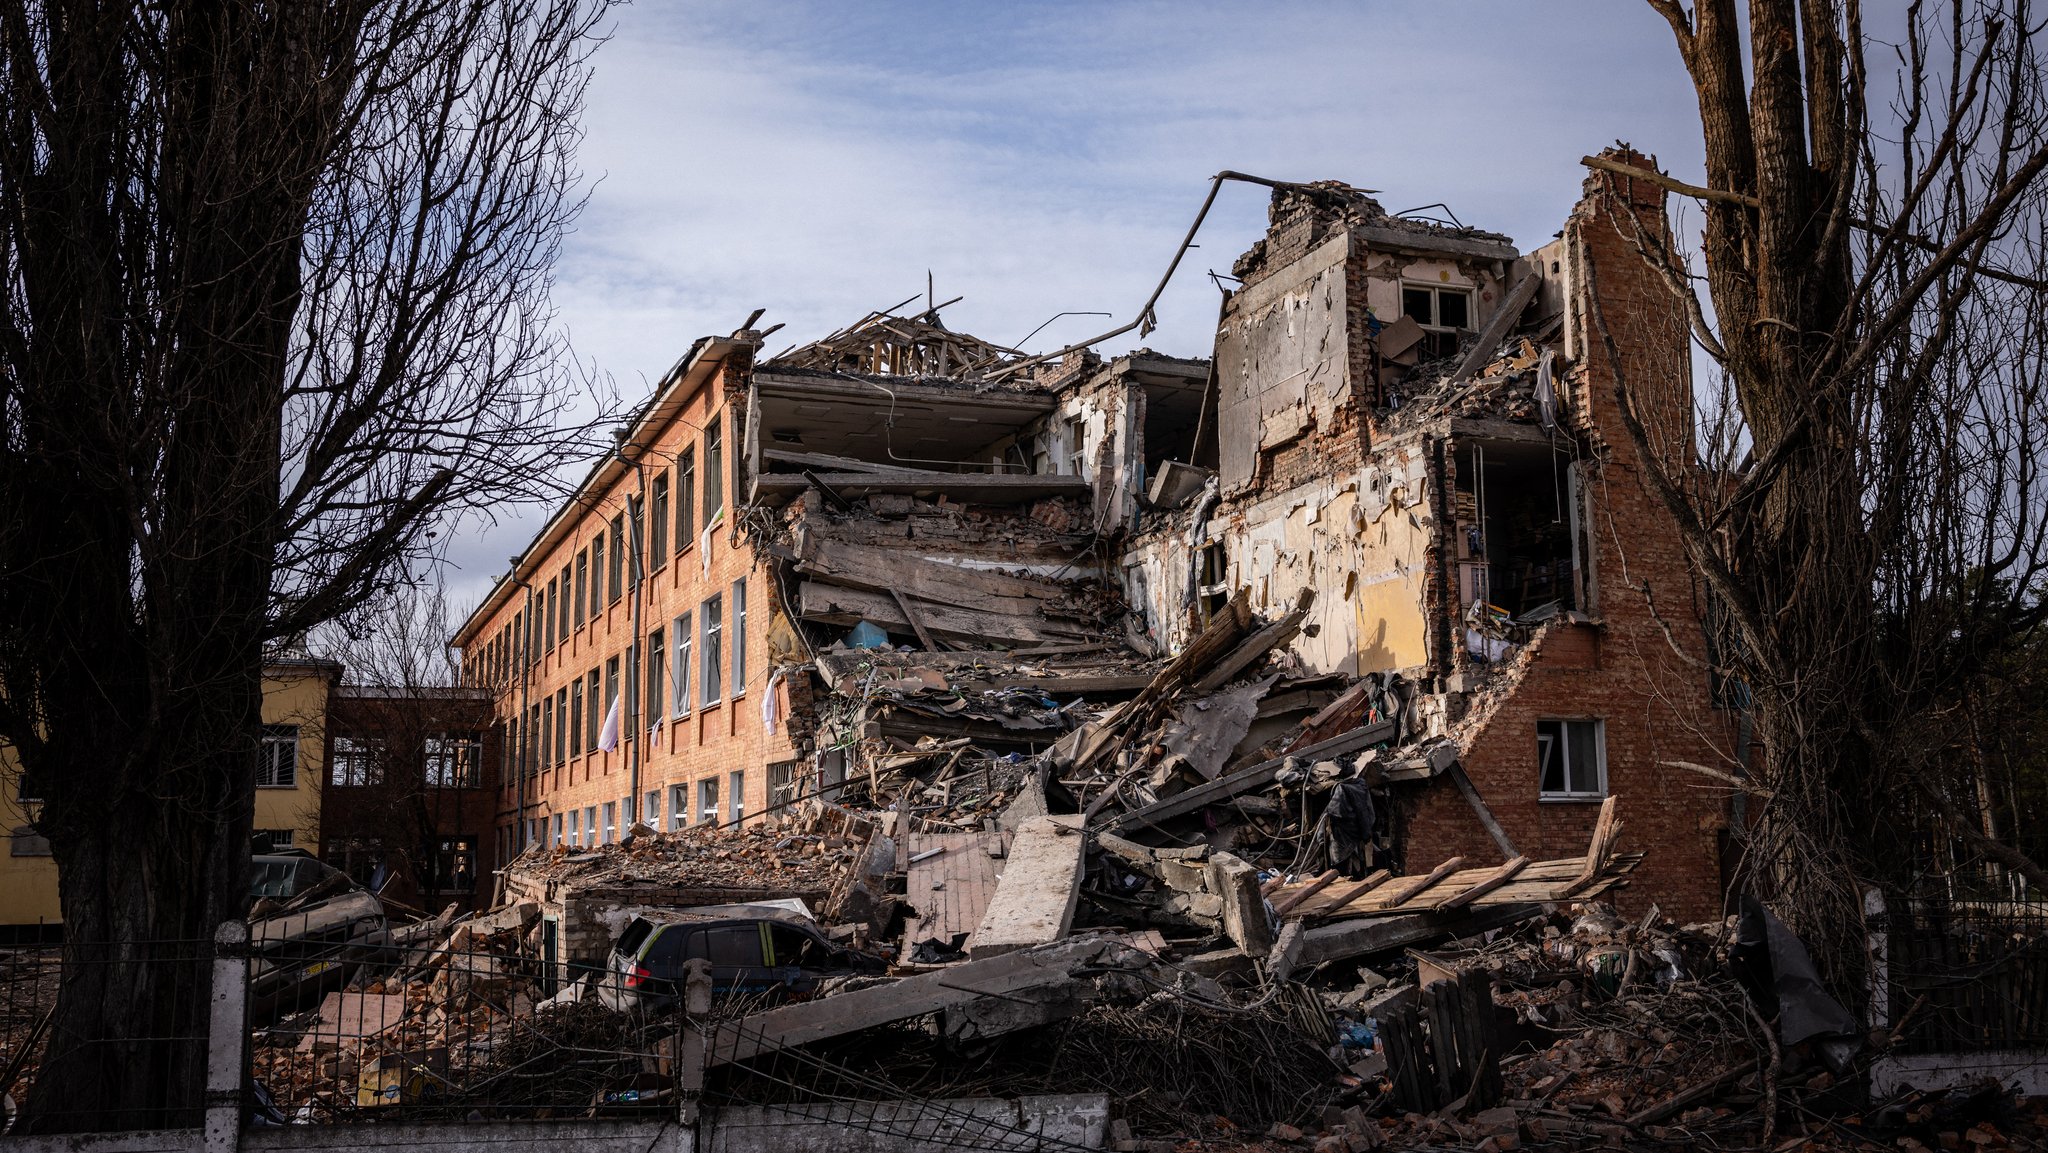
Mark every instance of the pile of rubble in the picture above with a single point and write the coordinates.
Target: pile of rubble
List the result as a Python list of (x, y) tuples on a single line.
[(771, 855)]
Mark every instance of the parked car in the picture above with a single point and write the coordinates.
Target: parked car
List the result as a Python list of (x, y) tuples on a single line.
[(751, 948), (310, 929)]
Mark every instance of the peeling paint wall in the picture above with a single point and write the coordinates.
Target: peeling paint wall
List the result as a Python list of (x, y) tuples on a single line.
[(1361, 540), (1281, 360)]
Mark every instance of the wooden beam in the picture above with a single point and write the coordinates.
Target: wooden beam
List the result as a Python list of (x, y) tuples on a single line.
[(1351, 894), (1408, 888), (1499, 324), (1366, 936), (1257, 645), (1286, 904), (924, 636), (1500, 836), (1596, 848), (1492, 881), (1257, 776)]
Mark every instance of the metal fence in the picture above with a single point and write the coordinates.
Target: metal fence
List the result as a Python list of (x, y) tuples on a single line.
[(1968, 976), (60, 1080)]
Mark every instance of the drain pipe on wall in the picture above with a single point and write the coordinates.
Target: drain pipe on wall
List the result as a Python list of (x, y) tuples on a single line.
[(633, 686)]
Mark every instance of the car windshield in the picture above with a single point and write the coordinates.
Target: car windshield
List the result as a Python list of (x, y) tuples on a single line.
[(282, 878)]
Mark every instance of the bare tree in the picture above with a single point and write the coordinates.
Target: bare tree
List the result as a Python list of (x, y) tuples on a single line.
[(273, 304), (1869, 521)]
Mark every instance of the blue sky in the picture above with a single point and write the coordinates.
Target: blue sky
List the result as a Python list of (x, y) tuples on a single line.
[(816, 160)]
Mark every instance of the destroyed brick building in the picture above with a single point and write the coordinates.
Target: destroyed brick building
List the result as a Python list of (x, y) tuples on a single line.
[(906, 566)]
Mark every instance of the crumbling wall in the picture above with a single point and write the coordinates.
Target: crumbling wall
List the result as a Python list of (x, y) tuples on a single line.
[(1360, 539), (1282, 360), (1653, 703)]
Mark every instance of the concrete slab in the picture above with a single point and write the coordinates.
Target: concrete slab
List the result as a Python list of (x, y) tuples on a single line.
[(1035, 897)]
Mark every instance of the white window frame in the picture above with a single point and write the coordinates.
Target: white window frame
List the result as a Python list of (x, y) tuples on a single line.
[(274, 744), (710, 628), (707, 801), (1436, 292), (736, 641), (680, 649), (678, 806), (1543, 741)]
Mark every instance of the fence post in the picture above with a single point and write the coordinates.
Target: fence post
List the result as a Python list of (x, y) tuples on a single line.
[(690, 1055), (227, 1037)]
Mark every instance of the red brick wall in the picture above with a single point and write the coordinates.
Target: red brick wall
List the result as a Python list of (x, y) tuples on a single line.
[(711, 741), (1654, 704)]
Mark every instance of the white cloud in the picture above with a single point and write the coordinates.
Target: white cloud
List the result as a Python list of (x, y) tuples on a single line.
[(816, 160)]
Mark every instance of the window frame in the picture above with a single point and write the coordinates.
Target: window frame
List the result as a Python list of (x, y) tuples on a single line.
[(657, 522), (452, 760), (1544, 740), (680, 652), (710, 624), (714, 467), (686, 498), (655, 686), (268, 744), (738, 641), (614, 576), (365, 753), (581, 604)]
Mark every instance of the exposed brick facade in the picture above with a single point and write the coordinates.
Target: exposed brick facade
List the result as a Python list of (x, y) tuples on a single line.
[(681, 744), (1654, 704)]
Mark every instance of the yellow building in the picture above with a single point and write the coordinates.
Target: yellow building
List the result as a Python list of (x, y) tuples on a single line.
[(289, 772)]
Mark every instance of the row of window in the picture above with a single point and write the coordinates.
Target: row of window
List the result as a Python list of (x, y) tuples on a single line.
[(448, 760), (599, 575), (572, 720), (601, 824)]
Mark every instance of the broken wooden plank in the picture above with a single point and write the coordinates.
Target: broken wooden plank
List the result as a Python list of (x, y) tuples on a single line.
[(1246, 780), (981, 488), (1346, 896), (1456, 772), (836, 605), (1499, 877), (1597, 848), (1038, 890), (1256, 646), (1365, 936), (924, 635), (1517, 298), (1283, 906), (1407, 888)]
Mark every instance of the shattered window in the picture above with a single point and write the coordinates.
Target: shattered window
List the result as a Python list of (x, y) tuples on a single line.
[(593, 714), (454, 760), (582, 581), (714, 467), (1572, 758), (656, 667), (576, 718), (563, 623), (575, 827), (736, 801), (611, 822), (707, 801), (597, 574), (678, 806)]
